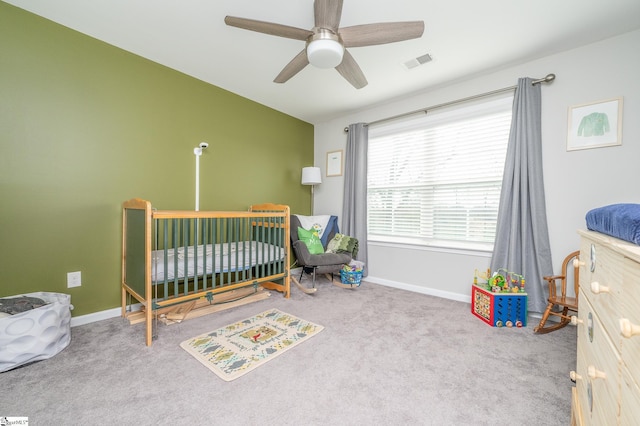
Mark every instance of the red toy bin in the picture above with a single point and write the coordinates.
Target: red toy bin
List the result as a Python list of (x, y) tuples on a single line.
[(499, 309)]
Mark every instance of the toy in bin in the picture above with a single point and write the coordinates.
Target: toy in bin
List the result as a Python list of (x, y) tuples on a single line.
[(501, 281), (351, 274)]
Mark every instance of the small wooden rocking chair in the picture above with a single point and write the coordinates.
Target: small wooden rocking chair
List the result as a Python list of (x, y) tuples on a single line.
[(561, 300)]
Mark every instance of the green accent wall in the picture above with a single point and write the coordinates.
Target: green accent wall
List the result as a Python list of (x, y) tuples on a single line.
[(85, 126)]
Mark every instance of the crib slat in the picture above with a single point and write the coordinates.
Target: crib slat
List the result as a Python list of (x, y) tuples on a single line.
[(236, 235), (214, 240), (174, 244), (185, 248), (165, 255), (196, 258), (246, 245), (205, 242)]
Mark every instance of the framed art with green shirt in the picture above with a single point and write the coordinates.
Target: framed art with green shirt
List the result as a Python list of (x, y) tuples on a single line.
[(595, 125)]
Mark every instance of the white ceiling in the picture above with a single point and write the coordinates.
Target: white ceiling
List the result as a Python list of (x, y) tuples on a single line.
[(464, 37)]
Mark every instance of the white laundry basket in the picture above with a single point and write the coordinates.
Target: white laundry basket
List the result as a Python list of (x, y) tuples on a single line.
[(36, 334)]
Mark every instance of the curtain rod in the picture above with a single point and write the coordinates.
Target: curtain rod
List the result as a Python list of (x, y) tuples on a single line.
[(549, 78)]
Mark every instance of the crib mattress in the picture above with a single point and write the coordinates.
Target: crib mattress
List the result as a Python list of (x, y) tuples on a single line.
[(211, 258)]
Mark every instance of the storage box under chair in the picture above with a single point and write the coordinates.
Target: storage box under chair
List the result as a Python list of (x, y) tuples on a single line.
[(35, 334), (499, 309), (352, 278), (351, 274)]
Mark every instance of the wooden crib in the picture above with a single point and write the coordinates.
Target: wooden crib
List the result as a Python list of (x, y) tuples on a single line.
[(176, 261)]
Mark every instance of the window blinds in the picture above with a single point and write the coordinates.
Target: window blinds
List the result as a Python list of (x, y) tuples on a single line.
[(436, 179)]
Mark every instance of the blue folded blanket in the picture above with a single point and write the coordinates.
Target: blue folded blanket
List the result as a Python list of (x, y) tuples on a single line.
[(618, 220)]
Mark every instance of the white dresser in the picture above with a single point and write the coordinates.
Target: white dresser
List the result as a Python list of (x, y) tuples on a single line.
[(607, 376)]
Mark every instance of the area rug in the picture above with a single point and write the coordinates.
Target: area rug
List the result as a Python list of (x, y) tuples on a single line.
[(238, 348)]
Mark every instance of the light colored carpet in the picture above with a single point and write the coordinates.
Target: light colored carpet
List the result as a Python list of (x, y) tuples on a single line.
[(386, 356), (238, 348)]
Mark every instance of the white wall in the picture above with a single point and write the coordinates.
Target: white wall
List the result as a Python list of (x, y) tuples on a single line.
[(575, 181)]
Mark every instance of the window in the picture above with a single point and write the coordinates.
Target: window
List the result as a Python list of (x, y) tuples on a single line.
[(435, 179)]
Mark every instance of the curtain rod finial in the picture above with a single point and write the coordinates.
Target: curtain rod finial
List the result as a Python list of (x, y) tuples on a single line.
[(549, 78)]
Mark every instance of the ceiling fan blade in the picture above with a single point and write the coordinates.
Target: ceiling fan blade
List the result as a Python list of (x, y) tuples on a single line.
[(381, 33), (327, 13), (350, 70), (268, 28), (292, 68)]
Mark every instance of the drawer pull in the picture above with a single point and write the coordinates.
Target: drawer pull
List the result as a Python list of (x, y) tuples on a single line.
[(574, 376), (627, 329), (597, 288), (578, 263), (595, 374), (575, 320)]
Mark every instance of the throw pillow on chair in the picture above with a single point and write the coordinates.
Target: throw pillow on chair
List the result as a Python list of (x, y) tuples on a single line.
[(311, 239)]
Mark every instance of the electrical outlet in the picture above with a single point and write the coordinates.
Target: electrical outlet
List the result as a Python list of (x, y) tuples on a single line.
[(74, 279)]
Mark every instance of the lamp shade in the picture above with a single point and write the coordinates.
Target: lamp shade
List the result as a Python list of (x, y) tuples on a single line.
[(311, 176)]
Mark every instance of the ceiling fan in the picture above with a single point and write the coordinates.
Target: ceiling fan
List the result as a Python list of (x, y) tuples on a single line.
[(326, 42)]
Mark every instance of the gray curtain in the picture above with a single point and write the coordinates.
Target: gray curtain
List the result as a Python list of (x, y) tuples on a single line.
[(354, 203), (522, 236)]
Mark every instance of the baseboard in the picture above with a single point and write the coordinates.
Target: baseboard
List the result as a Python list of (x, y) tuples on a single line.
[(439, 293), (94, 317), (115, 312), (420, 289), (99, 316)]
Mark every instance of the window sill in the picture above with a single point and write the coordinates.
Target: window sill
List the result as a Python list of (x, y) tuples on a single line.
[(480, 252)]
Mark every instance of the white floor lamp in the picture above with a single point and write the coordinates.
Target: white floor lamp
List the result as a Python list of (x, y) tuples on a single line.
[(311, 176)]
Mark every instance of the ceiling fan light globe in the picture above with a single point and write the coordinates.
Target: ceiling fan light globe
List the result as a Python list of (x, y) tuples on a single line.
[(325, 53)]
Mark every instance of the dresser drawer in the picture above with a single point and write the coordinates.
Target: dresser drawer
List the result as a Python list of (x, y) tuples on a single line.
[(630, 346), (630, 400), (597, 367), (596, 401), (601, 282), (583, 390)]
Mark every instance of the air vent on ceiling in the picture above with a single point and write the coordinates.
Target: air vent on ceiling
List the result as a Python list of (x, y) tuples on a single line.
[(420, 60)]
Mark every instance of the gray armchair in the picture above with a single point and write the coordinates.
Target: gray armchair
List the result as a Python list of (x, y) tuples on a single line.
[(323, 263)]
